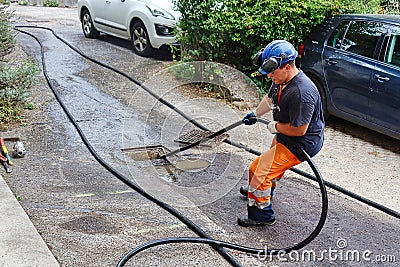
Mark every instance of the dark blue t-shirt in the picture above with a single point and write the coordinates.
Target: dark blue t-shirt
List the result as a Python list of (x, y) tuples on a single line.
[(299, 104)]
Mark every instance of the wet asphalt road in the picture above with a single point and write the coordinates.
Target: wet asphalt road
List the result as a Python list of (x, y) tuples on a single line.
[(90, 218)]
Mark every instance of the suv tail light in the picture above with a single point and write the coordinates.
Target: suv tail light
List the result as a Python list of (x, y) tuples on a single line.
[(300, 50)]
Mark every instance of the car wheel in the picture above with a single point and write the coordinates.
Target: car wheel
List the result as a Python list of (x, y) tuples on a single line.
[(87, 26), (140, 40), (322, 93)]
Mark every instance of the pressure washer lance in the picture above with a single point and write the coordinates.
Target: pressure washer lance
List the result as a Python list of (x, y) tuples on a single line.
[(224, 130)]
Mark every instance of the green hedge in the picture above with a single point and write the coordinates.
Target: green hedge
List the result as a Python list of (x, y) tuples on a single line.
[(231, 31)]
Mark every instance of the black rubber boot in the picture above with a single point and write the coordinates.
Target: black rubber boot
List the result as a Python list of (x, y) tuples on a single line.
[(246, 222), (243, 190)]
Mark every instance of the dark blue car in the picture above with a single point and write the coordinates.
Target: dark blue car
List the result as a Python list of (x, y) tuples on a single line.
[(354, 60)]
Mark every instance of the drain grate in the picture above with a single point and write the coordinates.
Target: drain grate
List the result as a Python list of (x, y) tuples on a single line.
[(196, 135)]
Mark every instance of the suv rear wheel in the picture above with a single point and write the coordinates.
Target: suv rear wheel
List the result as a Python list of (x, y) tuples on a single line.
[(140, 40), (87, 26)]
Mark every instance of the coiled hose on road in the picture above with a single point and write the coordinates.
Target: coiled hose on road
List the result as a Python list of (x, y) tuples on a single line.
[(205, 239)]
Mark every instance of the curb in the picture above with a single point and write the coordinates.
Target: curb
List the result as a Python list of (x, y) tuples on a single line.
[(20, 243)]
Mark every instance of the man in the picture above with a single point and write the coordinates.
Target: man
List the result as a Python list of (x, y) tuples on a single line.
[(298, 124)]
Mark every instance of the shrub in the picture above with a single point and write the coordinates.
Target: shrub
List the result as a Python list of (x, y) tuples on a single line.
[(231, 31), (14, 83), (16, 78), (391, 7), (7, 37), (51, 3)]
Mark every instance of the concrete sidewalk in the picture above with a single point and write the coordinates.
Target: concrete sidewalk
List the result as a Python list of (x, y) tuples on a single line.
[(20, 243)]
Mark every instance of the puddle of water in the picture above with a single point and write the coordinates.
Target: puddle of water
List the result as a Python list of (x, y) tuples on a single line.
[(191, 164), (168, 171)]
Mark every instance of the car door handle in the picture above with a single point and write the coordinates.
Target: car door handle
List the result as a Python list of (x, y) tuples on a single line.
[(331, 61), (382, 78), (108, 2)]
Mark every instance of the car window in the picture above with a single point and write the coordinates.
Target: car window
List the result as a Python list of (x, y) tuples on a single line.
[(362, 37), (393, 54), (335, 40), (359, 37)]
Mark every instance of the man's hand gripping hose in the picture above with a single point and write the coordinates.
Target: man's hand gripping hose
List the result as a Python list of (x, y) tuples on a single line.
[(252, 118)]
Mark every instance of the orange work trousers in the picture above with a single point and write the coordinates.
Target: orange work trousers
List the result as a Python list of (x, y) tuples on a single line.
[(265, 171)]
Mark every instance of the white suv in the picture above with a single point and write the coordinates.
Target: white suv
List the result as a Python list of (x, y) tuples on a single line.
[(147, 23)]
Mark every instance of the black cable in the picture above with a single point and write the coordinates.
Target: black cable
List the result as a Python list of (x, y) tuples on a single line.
[(362, 199)]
